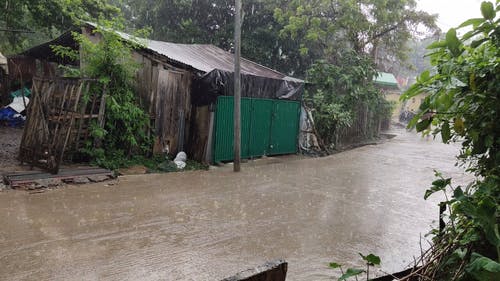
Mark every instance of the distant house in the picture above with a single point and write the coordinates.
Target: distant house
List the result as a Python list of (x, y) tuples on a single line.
[(3, 64), (187, 89), (389, 86), (4, 70)]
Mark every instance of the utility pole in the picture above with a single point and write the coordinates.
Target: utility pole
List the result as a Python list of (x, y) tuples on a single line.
[(237, 87)]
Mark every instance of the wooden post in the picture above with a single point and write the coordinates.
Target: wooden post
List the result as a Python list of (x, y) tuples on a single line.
[(237, 87)]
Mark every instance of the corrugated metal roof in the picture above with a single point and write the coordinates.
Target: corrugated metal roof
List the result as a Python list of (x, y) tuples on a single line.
[(386, 79), (206, 58)]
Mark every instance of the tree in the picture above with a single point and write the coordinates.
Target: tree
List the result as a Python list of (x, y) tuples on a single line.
[(463, 105), (323, 27), (337, 93), (45, 18)]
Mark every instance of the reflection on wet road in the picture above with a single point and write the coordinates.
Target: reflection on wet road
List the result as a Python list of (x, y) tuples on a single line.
[(211, 224)]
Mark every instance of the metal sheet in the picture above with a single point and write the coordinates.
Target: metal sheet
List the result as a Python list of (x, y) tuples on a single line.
[(262, 110), (285, 127), (268, 127)]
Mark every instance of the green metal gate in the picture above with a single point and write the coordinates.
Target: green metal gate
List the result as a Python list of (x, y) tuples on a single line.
[(268, 127)]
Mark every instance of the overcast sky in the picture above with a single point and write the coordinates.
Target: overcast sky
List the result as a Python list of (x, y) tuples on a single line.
[(451, 12)]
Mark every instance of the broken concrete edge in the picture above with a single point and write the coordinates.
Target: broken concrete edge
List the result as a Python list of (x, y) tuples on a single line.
[(54, 182), (269, 271)]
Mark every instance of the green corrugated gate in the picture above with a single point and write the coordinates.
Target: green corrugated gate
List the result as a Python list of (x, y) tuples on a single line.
[(268, 127)]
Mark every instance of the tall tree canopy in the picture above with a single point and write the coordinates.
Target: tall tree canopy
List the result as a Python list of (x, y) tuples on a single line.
[(325, 27), (45, 19)]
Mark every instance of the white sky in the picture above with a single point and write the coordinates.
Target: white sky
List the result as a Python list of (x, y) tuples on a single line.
[(451, 12)]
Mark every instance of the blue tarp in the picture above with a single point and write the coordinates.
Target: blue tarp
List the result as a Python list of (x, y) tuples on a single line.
[(10, 117)]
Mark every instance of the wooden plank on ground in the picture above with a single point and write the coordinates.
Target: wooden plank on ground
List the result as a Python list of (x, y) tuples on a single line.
[(19, 179)]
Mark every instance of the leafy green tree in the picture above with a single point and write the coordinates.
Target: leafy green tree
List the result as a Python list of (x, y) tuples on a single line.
[(337, 92), (46, 18), (325, 27), (463, 105)]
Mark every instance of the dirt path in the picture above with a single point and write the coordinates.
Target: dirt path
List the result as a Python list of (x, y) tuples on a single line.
[(210, 224), (10, 140)]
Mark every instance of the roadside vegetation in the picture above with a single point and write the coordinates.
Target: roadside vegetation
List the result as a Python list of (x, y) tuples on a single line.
[(463, 106)]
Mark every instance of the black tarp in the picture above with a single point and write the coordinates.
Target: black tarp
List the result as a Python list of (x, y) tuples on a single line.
[(206, 88)]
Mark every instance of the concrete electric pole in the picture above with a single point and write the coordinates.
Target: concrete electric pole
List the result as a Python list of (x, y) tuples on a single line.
[(237, 87)]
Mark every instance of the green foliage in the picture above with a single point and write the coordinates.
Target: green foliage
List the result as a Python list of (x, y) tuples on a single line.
[(351, 272), (110, 61), (337, 91), (285, 35), (463, 105), (323, 28), (370, 260), (45, 18)]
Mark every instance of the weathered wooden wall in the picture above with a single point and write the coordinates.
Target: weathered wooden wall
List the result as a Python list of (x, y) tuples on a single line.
[(200, 128), (24, 69), (366, 126), (165, 93)]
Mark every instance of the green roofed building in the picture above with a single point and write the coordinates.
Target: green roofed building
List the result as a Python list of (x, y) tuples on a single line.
[(386, 80), (389, 86)]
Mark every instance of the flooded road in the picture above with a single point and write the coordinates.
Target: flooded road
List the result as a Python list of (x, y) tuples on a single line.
[(208, 225)]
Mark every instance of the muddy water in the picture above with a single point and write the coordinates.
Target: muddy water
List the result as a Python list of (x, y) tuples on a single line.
[(209, 225)]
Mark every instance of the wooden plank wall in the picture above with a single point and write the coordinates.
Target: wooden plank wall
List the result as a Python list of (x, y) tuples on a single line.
[(364, 127), (165, 93), (173, 109), (198, 138)]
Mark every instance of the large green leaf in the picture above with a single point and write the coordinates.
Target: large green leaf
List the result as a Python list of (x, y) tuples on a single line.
[(487, 217), (474, 22), (487, 10), (424, 124), (483, 268), (437, 185), (445, 132), (371, 259), (452, 42), (350, 272)]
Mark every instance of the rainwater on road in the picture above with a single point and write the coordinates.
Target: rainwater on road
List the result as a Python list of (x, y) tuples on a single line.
[(207, 225)]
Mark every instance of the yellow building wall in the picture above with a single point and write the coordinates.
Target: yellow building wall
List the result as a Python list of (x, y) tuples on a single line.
[(413, 104), (394, 98)]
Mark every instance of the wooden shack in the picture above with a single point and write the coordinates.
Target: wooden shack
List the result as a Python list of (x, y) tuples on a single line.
[(178, 85)]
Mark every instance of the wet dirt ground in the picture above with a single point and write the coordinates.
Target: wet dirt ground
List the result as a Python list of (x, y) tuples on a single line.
[(207, 225), (10, 140)]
